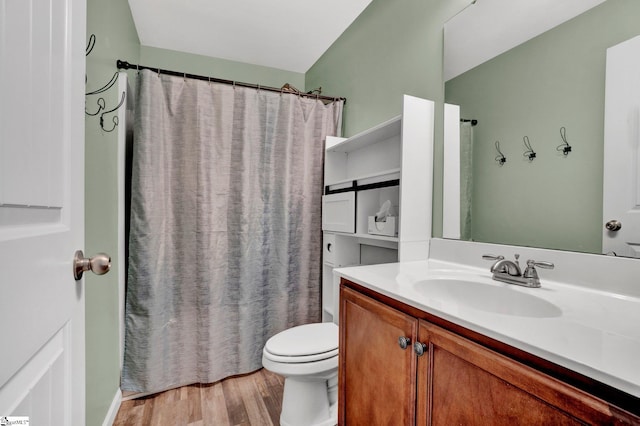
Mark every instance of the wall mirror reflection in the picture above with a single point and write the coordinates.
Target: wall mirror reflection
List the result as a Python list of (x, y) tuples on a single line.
[(549, 91)]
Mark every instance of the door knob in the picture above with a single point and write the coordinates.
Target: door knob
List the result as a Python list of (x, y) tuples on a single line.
[(99, 264), (613, 225)]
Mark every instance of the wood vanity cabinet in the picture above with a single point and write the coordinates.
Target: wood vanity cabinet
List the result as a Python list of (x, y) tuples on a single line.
[(377, 377), (455, 382)]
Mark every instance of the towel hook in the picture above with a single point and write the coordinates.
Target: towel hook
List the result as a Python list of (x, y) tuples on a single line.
[(500, 158), (90, 45), (529, 153), (115, 118), (564, 146)]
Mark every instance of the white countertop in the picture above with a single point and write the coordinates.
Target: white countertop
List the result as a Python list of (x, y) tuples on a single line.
[(593, 332)]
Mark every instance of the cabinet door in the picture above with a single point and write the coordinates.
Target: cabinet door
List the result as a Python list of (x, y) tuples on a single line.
[(376, 377), (460, 382)]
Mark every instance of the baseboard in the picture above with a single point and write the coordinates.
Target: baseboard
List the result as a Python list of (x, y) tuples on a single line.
[(113, 409)]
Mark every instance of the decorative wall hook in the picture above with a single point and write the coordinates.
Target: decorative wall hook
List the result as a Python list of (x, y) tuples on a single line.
[(564, 146), (529, 153), (115, 118), (90, 44), (500, 158), (100, 102)]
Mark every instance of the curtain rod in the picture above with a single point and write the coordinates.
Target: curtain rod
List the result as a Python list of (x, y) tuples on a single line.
[(127, 66)]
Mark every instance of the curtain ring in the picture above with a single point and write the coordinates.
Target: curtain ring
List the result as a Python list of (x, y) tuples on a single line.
[(158, 72), (184, 76), (258, 88), (209, 81), (234, 85)]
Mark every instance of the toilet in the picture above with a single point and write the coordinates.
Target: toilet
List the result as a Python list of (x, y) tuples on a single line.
[(307, 357)]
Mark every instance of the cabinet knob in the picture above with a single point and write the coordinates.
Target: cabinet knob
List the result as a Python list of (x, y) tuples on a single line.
[(419, 348), (404, 342)]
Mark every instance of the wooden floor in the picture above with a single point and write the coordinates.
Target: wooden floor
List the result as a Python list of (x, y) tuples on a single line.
[(254, 399)]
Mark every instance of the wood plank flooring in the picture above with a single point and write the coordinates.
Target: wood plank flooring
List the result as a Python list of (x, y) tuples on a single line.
[(254, 399)]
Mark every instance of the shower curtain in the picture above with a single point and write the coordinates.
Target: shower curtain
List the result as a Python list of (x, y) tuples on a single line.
[(466, 180), (225, 239)]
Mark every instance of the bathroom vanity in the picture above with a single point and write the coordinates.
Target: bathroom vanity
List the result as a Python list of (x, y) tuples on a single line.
[(435, 342)]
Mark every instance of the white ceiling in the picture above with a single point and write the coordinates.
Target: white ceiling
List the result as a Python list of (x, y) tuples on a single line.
[(285, 34), (490, 27)]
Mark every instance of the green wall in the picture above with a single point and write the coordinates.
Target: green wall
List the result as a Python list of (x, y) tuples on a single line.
[(219, 68), (393, 48), (554, 80), (115, 37)]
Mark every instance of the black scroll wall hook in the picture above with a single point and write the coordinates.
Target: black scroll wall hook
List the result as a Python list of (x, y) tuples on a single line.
[(529, 153), (564, 146), (100, 102), (500, 158)]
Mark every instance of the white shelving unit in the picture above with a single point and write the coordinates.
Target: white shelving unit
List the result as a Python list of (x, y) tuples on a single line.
[(391, 161)]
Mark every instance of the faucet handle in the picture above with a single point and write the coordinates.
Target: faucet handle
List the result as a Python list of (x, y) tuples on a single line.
[(531, 273), (544, 265), (492, 257)]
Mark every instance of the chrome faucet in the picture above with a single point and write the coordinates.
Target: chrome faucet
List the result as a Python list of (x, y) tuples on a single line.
[(508, 271)]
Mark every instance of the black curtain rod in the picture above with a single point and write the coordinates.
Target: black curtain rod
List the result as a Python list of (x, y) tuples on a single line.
[(127, 66), (473, 122)]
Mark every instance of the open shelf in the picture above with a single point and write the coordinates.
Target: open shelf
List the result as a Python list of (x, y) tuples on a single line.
[(375, 237), (370, 177), (371, 136), (391, 161)]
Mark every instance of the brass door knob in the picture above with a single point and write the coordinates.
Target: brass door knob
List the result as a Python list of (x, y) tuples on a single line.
[(99, 264)]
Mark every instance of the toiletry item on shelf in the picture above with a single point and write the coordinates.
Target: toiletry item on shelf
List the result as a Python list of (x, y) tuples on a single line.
[(383, 223)]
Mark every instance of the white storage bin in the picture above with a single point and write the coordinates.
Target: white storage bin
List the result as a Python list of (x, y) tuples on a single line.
[(339, 212)]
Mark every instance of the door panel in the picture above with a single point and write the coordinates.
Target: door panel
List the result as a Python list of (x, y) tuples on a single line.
[(621, 188), (461, 382), (377, 377), (41, 209)]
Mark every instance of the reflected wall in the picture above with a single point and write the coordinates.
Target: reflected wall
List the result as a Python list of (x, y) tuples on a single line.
[(552, 81)]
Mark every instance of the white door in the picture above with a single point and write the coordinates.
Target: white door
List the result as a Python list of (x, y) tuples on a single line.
[(621, 189), (41, 210)]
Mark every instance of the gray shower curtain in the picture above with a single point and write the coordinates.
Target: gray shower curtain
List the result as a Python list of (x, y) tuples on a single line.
[(225, 234)]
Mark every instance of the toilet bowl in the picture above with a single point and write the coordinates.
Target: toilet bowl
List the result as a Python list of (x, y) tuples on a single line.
[(307, 357)]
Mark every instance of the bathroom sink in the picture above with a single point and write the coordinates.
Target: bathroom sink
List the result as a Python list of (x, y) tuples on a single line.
[(497, 299)]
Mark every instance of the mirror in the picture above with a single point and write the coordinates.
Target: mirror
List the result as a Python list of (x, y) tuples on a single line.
[(533, 97)]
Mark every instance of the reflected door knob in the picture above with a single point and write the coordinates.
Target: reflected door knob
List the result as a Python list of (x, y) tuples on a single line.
[(99, 264), (613, 225)]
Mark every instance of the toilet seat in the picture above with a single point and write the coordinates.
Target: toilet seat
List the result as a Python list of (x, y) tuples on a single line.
[(304, 343)]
